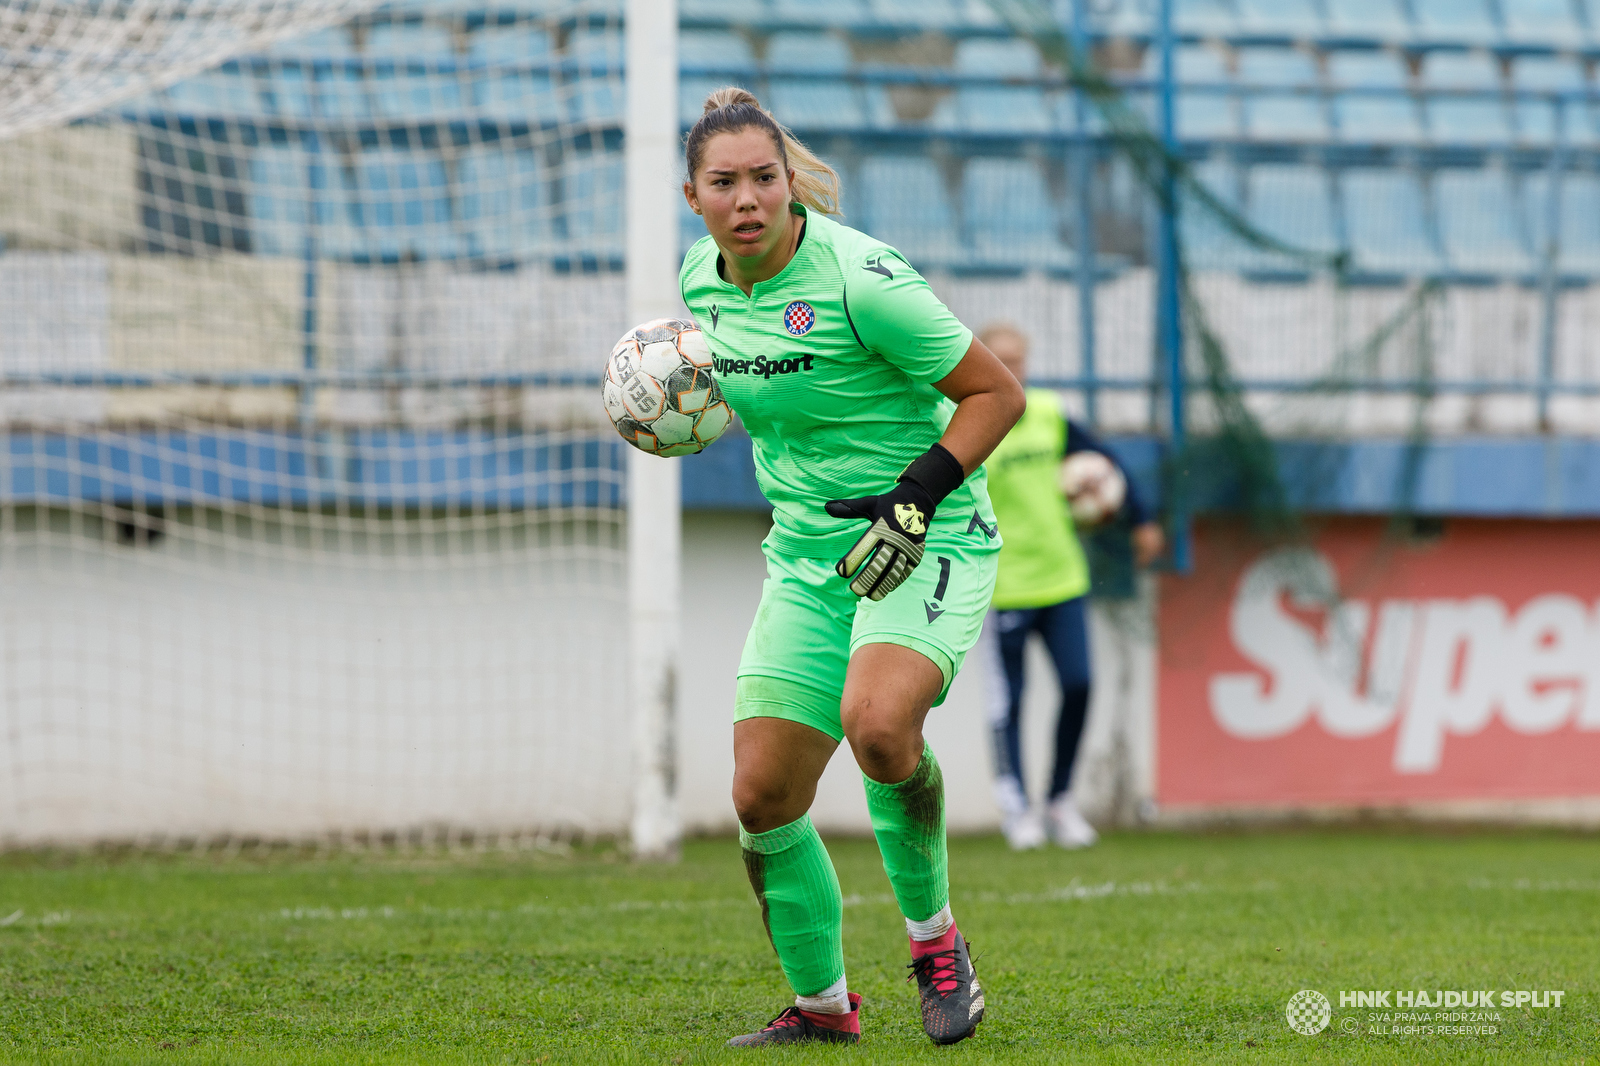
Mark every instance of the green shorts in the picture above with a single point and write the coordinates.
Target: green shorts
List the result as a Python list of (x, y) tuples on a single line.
[(809, 623)]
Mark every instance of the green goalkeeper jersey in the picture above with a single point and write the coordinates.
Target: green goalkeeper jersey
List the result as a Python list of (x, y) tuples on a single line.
[(831, 365)]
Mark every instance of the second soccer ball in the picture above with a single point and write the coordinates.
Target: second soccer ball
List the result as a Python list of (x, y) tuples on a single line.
[(1093, 486)]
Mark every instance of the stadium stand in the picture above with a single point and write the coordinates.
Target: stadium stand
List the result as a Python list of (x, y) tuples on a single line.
[(288, 190), (1383, 19), (593, 234), (1011, 109), (1455, 20), (809, 104), (1480, 118), (1012, 221), (1418, 136), (1292, 18), (1204, 18), (1481, 223), (598, 100), (904, 201), (820, 12), (807, 53), (1293, 202), (1541, 21), (399, 204), (1579, 234), (1537, 116), (506, 83), (720, 49), (1388, 222), (1210, 244), (730, 11), (1287, 105), (332, 43), (1372, 105), (495, 188), (917, 12), (1206, 108)]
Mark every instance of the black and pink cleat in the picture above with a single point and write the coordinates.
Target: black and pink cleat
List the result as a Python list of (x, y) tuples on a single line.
[(796, 1026), (952, 1000)]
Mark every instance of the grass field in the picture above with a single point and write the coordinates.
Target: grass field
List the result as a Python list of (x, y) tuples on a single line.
[(1151, 947)]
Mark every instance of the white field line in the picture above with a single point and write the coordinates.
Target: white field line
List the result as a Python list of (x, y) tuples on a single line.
[(1072, 892), (1075, 890), (1528, 884), (17, 918)]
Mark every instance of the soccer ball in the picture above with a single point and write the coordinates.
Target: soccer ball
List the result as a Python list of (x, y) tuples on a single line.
[(1093, 486), (659, 392)]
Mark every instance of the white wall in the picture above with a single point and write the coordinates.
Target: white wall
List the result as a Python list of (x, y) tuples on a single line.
[(722, 572), (290, 675)]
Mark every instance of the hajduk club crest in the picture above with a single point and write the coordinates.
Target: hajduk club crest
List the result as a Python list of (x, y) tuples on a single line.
[(798, 318)]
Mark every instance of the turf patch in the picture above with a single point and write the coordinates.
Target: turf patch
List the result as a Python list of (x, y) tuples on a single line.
[(1149, 947)]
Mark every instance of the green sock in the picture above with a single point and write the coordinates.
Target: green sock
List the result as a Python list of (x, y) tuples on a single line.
[(800, 902), (908, 820)]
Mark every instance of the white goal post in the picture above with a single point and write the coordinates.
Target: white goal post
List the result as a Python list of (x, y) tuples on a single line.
[(654, 495)]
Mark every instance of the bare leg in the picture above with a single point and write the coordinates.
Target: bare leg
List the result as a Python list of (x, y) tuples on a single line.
[(888, 691), (887, 694), (776, 764)]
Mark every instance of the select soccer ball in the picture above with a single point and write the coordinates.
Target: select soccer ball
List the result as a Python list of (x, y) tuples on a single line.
[(1093, 486), (659, 392)]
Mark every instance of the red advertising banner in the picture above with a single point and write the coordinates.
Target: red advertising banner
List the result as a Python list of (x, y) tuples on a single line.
[(1360, 670)]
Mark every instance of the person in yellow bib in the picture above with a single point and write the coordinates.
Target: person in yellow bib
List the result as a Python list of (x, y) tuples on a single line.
[(1042, 587)]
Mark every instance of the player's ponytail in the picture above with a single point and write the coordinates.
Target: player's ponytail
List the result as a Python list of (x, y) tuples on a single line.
[(732, 109), (815, 184)]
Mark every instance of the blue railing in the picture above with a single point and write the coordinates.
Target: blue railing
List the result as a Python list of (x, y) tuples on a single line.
[(466, 469), (283, 468)]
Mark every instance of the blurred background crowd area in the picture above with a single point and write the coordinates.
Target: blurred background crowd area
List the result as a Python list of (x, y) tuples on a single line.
[(358, 197)]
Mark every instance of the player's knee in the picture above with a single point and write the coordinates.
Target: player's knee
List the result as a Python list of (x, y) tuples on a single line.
[(885, 751), (760, 801)]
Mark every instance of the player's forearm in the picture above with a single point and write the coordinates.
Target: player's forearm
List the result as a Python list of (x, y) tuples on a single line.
[(988, 403), (981, 421)]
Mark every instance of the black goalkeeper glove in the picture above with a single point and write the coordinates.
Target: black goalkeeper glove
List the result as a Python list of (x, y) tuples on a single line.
[(892, 546)]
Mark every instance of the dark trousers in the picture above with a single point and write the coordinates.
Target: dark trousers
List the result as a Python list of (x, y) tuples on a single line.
[(1064, 628)]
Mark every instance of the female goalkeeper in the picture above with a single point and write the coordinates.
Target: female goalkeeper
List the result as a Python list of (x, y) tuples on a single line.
[(868, 403)]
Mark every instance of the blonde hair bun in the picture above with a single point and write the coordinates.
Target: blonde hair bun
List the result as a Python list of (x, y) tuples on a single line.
[(729, 95)]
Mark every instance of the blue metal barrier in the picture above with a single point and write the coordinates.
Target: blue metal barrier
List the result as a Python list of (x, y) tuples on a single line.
[(1531, 477), (376, 468), (1523, 477)]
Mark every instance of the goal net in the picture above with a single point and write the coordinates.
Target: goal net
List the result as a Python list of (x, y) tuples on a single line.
[(310, 521)]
